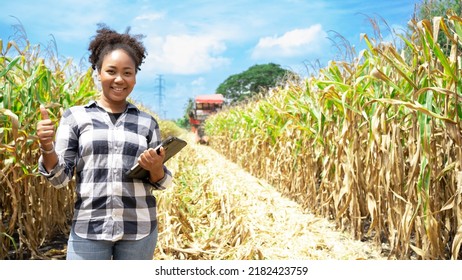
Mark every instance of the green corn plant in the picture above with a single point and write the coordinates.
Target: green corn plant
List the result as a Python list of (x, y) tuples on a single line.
[(373, 143), (32, 210)]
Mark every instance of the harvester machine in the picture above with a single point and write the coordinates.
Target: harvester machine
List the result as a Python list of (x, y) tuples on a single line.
[(204, 106)]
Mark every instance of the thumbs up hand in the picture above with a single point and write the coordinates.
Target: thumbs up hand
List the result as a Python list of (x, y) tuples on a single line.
[(44, 113), (45, 130)]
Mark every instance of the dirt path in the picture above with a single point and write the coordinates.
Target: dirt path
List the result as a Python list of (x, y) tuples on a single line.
[(280, 228)]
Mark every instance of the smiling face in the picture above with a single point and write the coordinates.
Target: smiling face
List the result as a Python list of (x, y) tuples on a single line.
[(118, 78)]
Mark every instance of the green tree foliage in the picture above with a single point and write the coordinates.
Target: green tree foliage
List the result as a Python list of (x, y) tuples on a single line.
[(184, 121), (255, 80), (429, 9)]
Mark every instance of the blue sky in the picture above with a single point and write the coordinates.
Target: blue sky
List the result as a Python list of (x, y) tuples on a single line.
[(194, 45)]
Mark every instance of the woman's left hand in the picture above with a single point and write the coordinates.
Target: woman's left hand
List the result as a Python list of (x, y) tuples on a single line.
[(153, 162)]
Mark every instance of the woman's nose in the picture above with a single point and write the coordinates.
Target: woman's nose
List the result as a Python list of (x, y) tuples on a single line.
[(118, 78)]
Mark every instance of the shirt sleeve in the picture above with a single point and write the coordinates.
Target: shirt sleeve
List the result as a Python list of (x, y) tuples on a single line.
[(155, 140), (66, 148), (163, 183)]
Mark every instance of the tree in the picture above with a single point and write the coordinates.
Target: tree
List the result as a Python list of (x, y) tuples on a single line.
[(184, 121), (429, 9), (257, 79)]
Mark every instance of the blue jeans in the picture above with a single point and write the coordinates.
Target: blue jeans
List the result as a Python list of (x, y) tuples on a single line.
[(86, 249)]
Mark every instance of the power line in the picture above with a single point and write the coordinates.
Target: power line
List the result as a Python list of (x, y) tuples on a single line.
[(160, 93)]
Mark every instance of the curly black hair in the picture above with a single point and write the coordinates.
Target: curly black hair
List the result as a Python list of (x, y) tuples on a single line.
[(107, 40)]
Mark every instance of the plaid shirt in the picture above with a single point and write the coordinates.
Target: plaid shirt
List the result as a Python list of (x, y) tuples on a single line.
[(109, 205)]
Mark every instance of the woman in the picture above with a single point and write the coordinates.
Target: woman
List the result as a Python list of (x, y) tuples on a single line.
[(115, 216)]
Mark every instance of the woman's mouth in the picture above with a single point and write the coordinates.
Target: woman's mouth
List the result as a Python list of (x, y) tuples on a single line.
[(118, 89)]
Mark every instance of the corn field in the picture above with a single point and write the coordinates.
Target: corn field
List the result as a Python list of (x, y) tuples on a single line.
[(373, 144), (31, 212)]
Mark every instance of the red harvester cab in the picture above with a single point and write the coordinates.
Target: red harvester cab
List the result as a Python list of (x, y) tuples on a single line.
[(204, 106)]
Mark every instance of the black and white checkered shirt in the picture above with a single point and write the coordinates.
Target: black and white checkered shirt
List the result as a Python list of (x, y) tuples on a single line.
[(109, 205)]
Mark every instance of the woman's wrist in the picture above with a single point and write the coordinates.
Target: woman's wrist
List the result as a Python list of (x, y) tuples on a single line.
[(156, 177), (47, 150)]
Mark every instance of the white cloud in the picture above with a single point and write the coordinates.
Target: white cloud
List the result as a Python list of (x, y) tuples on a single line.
[(198, 82), (150, 17), (185, 54), (293, 43)]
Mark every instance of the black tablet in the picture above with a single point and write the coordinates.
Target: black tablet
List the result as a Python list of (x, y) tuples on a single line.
[(172, 145)]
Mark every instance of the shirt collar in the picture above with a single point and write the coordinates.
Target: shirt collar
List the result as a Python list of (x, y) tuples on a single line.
[(93, 103)]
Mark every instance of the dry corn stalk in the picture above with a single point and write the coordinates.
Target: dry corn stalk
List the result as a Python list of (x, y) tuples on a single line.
[(373, 143)]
